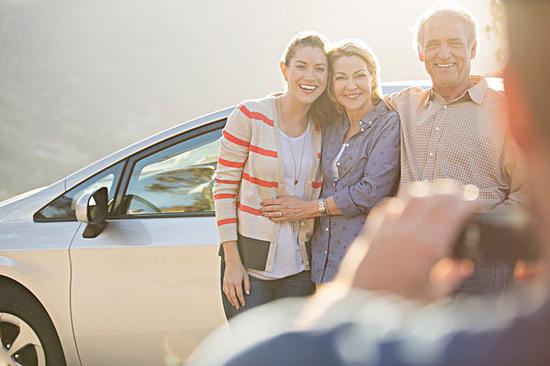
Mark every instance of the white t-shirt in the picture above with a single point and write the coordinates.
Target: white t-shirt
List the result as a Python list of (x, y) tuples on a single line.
[(288, 258)]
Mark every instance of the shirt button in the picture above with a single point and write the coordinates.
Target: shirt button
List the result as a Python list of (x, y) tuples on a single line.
[(431, 154), (326, 252), (437, 128), (326, 229), (444, 106), (370, 122), (362, 129), (338, 164)]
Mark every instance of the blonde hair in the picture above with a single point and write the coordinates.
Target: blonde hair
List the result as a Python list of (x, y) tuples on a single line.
[(354, 47), (442, 9)]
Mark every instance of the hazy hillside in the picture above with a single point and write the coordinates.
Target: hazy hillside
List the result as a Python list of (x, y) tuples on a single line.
[(79, 79)]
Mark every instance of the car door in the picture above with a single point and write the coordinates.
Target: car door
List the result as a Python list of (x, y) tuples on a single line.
[(146, 290)]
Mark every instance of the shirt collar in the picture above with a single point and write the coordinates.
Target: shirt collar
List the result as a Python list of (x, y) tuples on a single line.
[(368, 120), (475, 93)]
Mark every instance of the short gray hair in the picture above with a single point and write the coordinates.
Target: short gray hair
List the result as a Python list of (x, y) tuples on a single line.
[(439, 10)]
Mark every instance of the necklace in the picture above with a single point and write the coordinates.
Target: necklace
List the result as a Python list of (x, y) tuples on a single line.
[(296, 172)]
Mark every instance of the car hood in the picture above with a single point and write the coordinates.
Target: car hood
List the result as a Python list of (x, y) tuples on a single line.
[(11, 204)]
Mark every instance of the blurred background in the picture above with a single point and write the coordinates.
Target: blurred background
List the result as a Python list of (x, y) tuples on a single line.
[(81, 79)]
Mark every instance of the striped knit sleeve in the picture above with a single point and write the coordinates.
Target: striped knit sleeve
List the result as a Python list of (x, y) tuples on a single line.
[(234, 146)]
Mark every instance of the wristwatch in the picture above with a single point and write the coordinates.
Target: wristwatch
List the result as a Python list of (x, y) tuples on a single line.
[(322, 207)]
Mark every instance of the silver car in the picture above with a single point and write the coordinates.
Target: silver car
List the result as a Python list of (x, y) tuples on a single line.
[(117, 263)]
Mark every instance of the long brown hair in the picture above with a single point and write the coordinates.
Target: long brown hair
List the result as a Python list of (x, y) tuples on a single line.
[(323, 109)]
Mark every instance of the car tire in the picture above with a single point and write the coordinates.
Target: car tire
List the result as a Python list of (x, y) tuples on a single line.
[(25, 325)]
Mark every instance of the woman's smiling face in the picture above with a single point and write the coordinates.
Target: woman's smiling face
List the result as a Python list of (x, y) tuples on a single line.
[(306, 74), (352, 83)]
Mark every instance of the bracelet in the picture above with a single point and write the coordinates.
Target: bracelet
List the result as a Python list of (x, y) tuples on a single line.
[(322, 207)]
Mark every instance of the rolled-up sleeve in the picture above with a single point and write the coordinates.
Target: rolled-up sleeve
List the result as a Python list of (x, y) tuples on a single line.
[(513, 166), (380, 174)]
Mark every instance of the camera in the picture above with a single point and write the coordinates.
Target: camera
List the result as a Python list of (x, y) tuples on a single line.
[(507, 236)]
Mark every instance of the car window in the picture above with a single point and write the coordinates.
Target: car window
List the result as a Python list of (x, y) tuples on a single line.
[(178, 179), (63, 207)]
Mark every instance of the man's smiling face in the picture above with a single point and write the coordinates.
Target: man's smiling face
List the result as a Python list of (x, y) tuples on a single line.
[(447, 53)]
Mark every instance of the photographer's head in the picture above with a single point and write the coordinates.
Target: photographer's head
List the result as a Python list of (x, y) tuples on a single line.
[(527, 81)]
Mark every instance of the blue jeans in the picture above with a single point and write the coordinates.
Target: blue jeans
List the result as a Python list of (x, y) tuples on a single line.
[(264, 291)]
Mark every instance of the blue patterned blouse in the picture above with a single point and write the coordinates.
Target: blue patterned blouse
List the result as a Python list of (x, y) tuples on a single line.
[(368, 171)]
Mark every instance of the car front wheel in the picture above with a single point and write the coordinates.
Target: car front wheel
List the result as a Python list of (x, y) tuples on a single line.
[(27, 335)]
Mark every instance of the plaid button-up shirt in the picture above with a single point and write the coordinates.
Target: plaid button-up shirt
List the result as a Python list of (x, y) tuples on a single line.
[(464, 140)]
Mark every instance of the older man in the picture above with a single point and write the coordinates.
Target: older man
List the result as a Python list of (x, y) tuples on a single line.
[(365, 328), (456, 128)]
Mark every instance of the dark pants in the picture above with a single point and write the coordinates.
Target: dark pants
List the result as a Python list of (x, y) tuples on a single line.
[(264, 291)]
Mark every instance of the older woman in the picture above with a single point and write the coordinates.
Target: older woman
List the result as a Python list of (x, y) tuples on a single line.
[(360, 160)]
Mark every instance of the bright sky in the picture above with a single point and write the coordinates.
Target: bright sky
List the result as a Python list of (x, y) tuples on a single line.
[(82, 79)]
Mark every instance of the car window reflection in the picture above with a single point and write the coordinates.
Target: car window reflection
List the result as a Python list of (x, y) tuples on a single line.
[(63, 207), (178, 179)]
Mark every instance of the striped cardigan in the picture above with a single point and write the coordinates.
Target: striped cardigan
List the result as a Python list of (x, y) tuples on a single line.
[(250, 169)]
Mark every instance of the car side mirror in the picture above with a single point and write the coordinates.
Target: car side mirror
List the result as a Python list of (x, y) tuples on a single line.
[(94, 214)]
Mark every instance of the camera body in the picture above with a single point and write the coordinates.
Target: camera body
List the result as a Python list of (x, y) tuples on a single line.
[(504, 236)]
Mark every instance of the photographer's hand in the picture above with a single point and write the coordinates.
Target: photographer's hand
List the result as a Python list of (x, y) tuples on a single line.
[(404, 249)]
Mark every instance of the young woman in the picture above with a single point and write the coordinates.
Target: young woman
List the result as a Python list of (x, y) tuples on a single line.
[(271, 147), (360, 160)]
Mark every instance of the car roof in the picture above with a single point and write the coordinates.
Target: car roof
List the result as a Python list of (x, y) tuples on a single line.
[(84, 173), (134, 148)]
